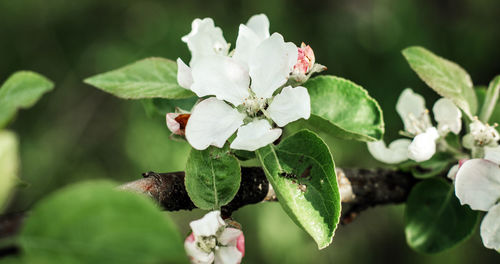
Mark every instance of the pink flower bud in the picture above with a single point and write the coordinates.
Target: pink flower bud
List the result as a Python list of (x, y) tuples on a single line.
[(190, 238), (240, 244), (177, 123), (305, 60)]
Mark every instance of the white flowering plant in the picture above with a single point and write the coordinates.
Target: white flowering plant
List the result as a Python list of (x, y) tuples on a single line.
[(456, 160), (233, 107)]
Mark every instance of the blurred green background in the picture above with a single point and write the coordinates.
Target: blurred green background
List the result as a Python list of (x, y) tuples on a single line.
[(77, 132)]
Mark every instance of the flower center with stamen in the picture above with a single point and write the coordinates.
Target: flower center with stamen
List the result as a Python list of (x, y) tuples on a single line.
[(419, 124), (207, 243), (483, 134), (253, 105)]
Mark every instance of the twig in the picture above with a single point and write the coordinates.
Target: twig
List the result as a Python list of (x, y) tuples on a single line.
[(359, 189)]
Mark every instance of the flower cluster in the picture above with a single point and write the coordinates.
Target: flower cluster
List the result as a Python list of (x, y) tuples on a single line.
[(477, 180), (418, 125), (214, 241), (250, 89)]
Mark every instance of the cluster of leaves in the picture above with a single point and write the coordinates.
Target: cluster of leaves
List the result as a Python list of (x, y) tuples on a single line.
[(435, 219), (300, 169)]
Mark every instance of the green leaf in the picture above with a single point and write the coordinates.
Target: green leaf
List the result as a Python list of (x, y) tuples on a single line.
[(490, 100), (93, 222), (439, 164), (480, 94), (435, 220), (160, 106), (21, 90), (213, 177), (302, 173), (443, 76), (147, 78), (344, 109), (244, 155), (453, 141), (9, 165)]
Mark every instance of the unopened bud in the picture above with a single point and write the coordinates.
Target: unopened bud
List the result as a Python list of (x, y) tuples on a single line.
[(305, 60), (176, 123)]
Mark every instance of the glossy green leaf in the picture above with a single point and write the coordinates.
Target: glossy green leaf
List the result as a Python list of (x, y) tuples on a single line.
[(490, 100), (213, 177), (93, 222), (302, 173), (244, 155), (344, 109), (160, 106), (21, 90), (434, 218), (439, 164), (480, 94), (9, 164), (147, 78), (443, 76), (495, 115)]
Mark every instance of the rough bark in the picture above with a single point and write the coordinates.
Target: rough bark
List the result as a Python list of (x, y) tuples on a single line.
[(359, 188)]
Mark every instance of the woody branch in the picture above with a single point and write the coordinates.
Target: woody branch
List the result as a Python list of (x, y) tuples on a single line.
[(359, 189)]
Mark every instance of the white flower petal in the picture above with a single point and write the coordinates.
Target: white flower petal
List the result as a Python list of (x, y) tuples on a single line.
[(212, 122), (246, 44), (172, 124), (221, 76), (423, 145), (290, 105), (250, 36), (452, 173), (205, 39), (478, 184), (396, 152), (270, 65), (229, 236), (260, 25), (255, 135), (492, 154), (293, 58), (184, 75), (227, 255), (447, 115), (490, 228), (208, 225), (196, 255), (411, 106)]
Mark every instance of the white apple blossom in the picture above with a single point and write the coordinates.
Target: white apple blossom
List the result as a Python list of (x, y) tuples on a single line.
[(483, 134), (417, 124), (248, 86), (213, 241), (477, 184)]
